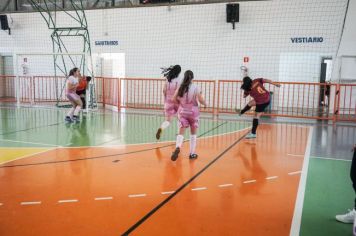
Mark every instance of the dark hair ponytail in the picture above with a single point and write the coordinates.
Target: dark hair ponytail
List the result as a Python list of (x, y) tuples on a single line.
[(246, 83), (72, 71), (184, 87), (171, 72)]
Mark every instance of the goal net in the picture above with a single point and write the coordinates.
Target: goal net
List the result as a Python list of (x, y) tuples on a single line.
[(40, 78)]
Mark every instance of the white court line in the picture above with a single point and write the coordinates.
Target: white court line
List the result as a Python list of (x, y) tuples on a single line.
[(137, 195), (67, 201), (120, 146), (298, 125), (169, 192), (26, 156), (225, 185), (30, 203), (295, 155), (271, 177), (231, 132), (62, 110), (162, 142), (31, 107), (250, 181), (103, 198), (297, 216), (199, 189), (15, 141), (327, 158), (116, 146), (295, 172)]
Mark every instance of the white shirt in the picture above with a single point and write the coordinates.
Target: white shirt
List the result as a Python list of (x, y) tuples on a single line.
[(73, 80)]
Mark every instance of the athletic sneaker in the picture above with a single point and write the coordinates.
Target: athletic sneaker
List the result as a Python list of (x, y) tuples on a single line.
[(251, 136), (174, 156), (159, 133), (347, 218), (76, 119), (193, 156), (68, 119)]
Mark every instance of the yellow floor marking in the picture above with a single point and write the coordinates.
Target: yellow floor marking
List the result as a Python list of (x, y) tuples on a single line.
[(9, 154)]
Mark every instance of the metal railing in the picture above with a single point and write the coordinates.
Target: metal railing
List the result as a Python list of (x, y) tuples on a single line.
[(292, 99)]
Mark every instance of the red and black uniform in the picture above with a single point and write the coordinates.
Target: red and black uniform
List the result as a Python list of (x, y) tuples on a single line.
[(259, 93), (81, 90)]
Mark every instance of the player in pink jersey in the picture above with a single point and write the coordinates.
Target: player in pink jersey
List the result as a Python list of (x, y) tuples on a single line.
[(72, 83), (261, 99), (188, 96), (171, 85)]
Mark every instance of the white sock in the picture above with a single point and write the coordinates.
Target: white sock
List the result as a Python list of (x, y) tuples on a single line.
[(193, 143), (70, 112), (180, 139), (165, 124), (77, 110)]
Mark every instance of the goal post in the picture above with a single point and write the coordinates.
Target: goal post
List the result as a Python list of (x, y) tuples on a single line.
[(40, 78)]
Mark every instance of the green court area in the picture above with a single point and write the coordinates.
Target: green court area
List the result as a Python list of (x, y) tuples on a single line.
[(26, 127), (328, 192)]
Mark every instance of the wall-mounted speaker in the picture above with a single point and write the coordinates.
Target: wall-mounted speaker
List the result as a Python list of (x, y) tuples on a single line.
[(4, 23), (232, 13)]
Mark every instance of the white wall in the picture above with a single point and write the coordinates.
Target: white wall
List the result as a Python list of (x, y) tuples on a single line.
[(8, 65), (198, 38), (2, 81), (348, 41), (1, 65), (345, 68)]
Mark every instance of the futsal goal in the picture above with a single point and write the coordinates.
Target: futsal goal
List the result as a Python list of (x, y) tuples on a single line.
[(40, 78)]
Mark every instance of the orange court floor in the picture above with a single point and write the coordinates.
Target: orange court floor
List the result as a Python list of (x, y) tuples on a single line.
[(235, 187)]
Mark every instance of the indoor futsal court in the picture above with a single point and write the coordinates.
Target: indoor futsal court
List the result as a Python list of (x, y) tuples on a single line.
[(177, 117)]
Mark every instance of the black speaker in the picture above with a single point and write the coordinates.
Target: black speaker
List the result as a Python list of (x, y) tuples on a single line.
[(232, 12), (4, 23)]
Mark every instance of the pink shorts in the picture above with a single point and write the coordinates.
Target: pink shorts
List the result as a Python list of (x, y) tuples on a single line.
[(170, 108), (73, 97), (188, 119)]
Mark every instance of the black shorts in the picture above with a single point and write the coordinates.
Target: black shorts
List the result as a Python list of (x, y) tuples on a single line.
[(262, 107), (80, 92)]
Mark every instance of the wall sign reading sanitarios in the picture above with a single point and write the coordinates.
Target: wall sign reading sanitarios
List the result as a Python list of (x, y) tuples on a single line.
[(106, 43), (307, 40)]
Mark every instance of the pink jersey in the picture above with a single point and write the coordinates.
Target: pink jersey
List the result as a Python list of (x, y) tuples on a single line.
[(170, 107), (171, 88), (188, 112)]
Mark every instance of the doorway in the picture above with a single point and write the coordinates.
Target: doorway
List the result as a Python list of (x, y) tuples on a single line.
[(325, 78)]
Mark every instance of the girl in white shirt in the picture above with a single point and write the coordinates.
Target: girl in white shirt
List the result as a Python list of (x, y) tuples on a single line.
[(72, 83)]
